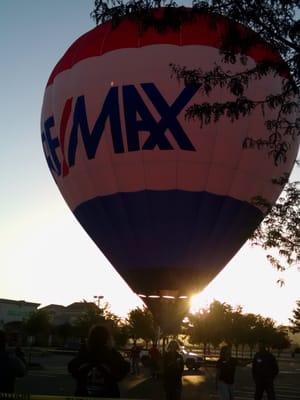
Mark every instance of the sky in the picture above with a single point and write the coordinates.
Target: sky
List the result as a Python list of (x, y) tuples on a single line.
[(45, 255)]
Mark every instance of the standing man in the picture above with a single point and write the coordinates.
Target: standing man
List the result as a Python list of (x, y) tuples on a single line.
[(173, 366), (11, 367), (135, 359), (155, 357), (264, 371), (225, 371)]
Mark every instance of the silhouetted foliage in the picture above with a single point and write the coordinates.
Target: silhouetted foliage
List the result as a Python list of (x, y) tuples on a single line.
[(141, 324), (63, 331), (295, 321), (93, 315), (38, 325), (280, 228), (280, 340), (220, 322)]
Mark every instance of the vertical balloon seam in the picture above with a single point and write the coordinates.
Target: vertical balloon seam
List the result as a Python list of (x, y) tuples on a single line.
[(242, 154), (235, 226), (72, 72), (201, 203), (105, 36), (225, 200), (100, 204), (176, 148), (149, 209), (175, 195), (205, 188), (146, 191), (178, 162), (119, 198), (231, 185), (118, 195), (212, 162)]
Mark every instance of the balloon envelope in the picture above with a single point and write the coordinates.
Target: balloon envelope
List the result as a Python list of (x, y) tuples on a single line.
[(166, 200)]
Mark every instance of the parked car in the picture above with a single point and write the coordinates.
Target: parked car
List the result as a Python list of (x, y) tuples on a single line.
[(144, 357), (72, 345), (191, 360)]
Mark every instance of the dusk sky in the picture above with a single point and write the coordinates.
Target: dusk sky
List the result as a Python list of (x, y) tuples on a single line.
[(45, 255)]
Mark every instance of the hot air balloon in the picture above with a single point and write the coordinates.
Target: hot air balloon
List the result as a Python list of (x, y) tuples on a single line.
[(167, 201)]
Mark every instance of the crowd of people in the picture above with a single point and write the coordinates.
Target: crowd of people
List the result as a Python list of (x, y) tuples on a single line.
[(98, 367)]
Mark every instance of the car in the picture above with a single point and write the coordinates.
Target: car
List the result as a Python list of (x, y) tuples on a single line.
[(191, 360), (72, 345), (145, 357)]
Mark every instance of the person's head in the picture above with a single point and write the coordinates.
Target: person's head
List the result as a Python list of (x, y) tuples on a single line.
[(98, 337), (225, 352), (262, 346), (173, 346), (2, 340)]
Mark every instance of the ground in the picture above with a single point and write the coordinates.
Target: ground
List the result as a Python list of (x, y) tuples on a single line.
[(52, 378)]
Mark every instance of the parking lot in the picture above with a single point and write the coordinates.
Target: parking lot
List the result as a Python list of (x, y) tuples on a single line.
[(50, 377)]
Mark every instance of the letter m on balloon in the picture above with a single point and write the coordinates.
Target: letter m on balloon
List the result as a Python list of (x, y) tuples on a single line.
[(137, 117)]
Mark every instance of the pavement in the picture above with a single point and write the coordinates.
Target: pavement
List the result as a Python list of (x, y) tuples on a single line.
[(52, 378)]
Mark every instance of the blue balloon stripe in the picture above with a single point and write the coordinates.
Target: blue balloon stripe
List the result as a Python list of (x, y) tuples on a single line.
[(168, 239)]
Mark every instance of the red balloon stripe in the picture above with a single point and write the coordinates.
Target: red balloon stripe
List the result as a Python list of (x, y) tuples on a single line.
[(200, 31)]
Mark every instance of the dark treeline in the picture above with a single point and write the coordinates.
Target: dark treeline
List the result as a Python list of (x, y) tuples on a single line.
[(206, 329), (220, 322)]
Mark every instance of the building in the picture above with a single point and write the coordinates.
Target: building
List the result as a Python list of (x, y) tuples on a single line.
[(12, 315), (57, 314), (62, 318), (15, 310), (60, 315)]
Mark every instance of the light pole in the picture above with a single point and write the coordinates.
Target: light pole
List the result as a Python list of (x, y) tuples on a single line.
[(98, 298)]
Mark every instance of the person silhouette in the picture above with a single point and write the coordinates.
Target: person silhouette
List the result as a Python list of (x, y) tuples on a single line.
[(135, 359), (264, 371), (155, 358), (225, 372), (173, 366), (98, 369), (11, 367)]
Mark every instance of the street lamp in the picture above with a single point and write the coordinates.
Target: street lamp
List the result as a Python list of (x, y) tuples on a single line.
[(98, 298)]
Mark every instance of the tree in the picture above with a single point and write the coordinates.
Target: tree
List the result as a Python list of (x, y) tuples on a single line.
[(118, 328), (280, 340), (281, 228), (63, 331), (239, 329), (198, 328), (215, 324), (295, 321), (38, 325), (92, 316), (141, 324), (219, 322), (276, 22)]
